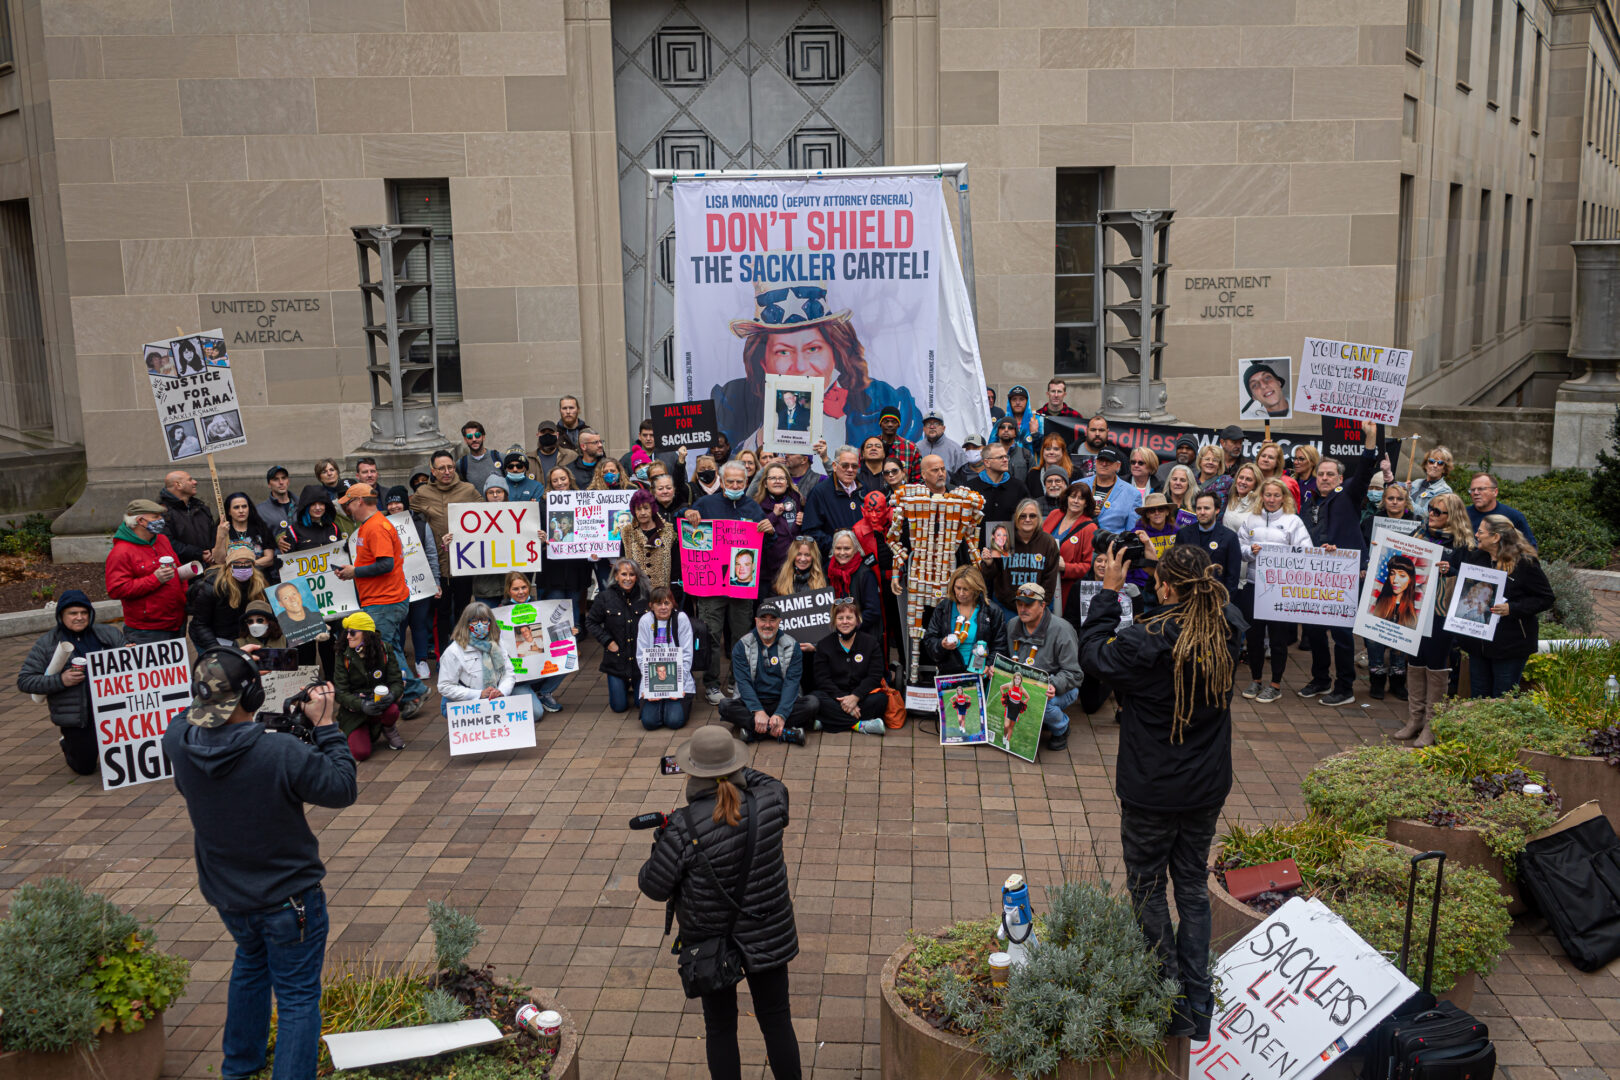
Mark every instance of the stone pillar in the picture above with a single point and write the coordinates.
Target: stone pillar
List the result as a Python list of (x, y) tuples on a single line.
[(1585, 406)]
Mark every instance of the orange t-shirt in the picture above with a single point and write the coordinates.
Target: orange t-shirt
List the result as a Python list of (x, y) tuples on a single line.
[(374, 540)]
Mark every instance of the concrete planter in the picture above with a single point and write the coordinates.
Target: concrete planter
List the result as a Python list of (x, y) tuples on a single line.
[(1577, 779), (566, 1067), (121, 1055), (913, 1049), (1464, 846)]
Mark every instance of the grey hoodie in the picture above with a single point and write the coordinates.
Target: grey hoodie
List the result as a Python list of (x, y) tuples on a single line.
[(245, 789), (1057, 650)]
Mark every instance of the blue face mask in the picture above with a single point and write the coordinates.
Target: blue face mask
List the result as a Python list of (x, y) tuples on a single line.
[(517, 477), (611, 477), (157, 526), (641, 472), (478, 629), (735, 495)]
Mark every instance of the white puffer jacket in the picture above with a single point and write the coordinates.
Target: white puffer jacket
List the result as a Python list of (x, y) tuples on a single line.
[(461, 673), (1278, 528)]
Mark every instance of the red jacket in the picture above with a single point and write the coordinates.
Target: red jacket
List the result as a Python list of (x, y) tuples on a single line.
[(149, 604)]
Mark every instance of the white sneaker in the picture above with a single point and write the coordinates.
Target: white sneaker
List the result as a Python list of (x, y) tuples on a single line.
[(871, 727), (422, 669), (715, 695)]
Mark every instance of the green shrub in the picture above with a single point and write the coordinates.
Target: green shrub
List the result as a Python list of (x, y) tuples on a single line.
[(72, 965), (1311, 842), (1364, 788), (1503, 726), (32, 537), (1558, 506), (1606, 477), (442, 1008), (454, 935), (1572, 607)]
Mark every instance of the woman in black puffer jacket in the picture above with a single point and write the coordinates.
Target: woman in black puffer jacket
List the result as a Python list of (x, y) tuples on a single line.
[(697, 865), (612, 620), (218, 599)]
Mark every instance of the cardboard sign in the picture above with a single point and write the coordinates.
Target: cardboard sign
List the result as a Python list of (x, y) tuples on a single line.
[(1478, 589), (683, 423), (283, 684), (1263, 388), (792, 413), (580, 524), (1089, 589), (538, 638), (1358, 382), (317, 568), (1296, 992), (1396, 607), (721, 558), (195, 395), (478, 727), (134, 692), (662, 674), (961, 709), (1305, 585), (489, 538), (418, 575), (1014, 706), (297, 610), (807, 615)]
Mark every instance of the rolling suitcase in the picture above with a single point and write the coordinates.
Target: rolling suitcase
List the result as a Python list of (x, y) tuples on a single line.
[(1425, 1039)]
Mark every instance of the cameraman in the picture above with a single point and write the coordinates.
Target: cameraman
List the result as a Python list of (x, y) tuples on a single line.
[(258, 862), (1175, 751), (719, 860)]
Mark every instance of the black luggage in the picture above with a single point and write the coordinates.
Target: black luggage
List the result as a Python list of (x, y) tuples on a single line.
[(1573, 878), (1424, 1039)]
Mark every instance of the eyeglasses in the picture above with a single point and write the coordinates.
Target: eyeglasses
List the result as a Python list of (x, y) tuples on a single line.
[(1437, 513), (1434, 461), (1028, 517), (843, 600), (891, 472)]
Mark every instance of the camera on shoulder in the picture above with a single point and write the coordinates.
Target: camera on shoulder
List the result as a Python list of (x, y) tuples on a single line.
[(291, 719)]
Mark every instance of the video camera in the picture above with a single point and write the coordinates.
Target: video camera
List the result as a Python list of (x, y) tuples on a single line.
[(1130, 545), (291, 719)]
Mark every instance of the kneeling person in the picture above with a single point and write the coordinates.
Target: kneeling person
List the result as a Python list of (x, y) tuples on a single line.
[(1044, 641), (767, 667), (849, 673)]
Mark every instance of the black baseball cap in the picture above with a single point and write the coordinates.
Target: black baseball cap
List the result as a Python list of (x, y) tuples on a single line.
[(270, 473), (1110, 453)]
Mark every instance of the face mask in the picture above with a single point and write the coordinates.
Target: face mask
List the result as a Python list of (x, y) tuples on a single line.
[(974, 456), (706, 476), (157, 526), (258, 629), (478, 629), (641, 472), (611, 477), (242, 573), (517, 477), (548, 443), (735, 495)]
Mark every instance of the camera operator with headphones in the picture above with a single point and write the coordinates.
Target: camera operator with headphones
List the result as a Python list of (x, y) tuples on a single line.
[(258, 862)]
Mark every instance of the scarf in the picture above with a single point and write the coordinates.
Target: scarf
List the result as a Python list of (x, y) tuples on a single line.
[(124, 532), (1029, 425), (488, 658), (841, 575)]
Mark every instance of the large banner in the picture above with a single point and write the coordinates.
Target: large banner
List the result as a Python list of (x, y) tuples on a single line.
[(721, 558), (135, 691), (580, 524), (195, 394), (1305, 585), (852, 280), (1397, 597), (1358, 382)]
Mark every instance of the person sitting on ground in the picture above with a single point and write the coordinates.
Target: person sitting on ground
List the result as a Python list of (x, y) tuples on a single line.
[(660, 626), (970, 619), (473, 665), (768, 667), (1046, 641), (849, 676), (217, 599), (363, 716), (49, 671), (613, 620)]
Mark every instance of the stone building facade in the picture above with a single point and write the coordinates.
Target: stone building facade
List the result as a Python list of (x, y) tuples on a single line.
[(1390, 171)]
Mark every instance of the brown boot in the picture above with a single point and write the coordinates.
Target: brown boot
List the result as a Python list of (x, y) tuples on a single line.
[(1416, 702), (1426, 736)]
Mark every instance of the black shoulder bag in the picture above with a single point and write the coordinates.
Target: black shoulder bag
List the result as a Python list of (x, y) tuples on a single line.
[(717, 963)]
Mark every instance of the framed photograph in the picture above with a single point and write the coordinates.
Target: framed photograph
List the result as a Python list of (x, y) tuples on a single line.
[(998, 536), (792, 413), (1015, 702), (1478, 589), (1397, 596), (1264, 388), (961, 709), (182, 439), (560, 527), (160, 360)]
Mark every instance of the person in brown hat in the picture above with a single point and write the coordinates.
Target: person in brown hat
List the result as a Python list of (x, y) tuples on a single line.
[(730, 831), (1156, 526), (144, 574)]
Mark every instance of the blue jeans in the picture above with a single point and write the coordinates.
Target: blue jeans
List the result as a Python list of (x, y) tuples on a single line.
[(1493, 678), (1055, 719), (669, 714), (620, 696), (272, 954), (390, 620), (1377, 653), (421, 624)]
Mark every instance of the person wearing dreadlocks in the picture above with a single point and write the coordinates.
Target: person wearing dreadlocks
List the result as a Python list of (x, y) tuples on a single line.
[(1175, 751)]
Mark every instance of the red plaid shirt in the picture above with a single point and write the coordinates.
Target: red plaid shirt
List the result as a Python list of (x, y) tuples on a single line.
[(905, 452)]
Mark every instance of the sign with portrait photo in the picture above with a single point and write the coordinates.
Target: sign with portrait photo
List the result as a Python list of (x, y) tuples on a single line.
[(297, 610), (721, 558), (661, 674), (1263, 388), (961, 709), (1397, 596), (1014, 705), (195, 394), (538, 638), (997, 537), (792, 414), (1478, 589), (580, 524), (317, 569)]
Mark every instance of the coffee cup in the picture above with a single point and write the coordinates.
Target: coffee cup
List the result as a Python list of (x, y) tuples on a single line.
[(1000, 965), (80, 662), (379, 692)]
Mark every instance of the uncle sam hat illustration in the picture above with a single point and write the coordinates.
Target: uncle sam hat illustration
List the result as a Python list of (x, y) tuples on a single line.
[(789, 303)]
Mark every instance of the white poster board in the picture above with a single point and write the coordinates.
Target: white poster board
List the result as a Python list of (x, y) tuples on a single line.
[(1396, 526), (1305, 585), (1263, 388), (1296, 992), (503, 723), (538, 638), (418, 574), (662, 675), (195, 394), (1357, 382), (580, 524), (1396, 608), (490, 538), (792, 413), (1478, 588), (1089, 591), (318, 567), (134, 692)]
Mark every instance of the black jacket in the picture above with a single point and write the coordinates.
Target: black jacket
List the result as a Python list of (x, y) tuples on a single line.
[(992, 631), (191, 526), (1221, 544), (1154, 773), (305, 533), (1334, 517), (868, 593), (69, 706), (613, 617), (1528, 594), (857, 673), (213, 621), (765, 932)]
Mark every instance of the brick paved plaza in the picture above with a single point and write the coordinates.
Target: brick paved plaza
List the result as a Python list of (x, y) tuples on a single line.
[(889, 834)]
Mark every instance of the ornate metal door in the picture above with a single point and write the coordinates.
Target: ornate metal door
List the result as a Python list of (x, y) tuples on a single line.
[(729, 84)]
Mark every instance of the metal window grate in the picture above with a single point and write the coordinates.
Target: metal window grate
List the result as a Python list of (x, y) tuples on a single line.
[(1077, 252), (427, 202)]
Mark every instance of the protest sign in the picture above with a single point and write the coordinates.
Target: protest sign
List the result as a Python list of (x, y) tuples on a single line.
[(317, 568), (1358, 382), (1397, 526), (792, 413), (195, 395), (683, 423), (1014, 705), (1397, 596), (487, 538), (297, 610), (1478, 588), (662, 678), (807, 615), (961, 709), (538, 638), (503, 723), (580, 524), (720, 558), (135, 691), (1089, 589), (284, 681), (1305, 585), (1295, 994), (1263, 388), (418, 575)]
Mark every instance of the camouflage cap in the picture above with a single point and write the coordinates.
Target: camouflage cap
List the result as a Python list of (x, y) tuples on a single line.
[(214, 693)]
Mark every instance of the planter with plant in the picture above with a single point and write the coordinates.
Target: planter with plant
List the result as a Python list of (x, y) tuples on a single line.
[(1090, 1001), (369, 995), (1364, 880), (82, 986), (1465, 800)]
